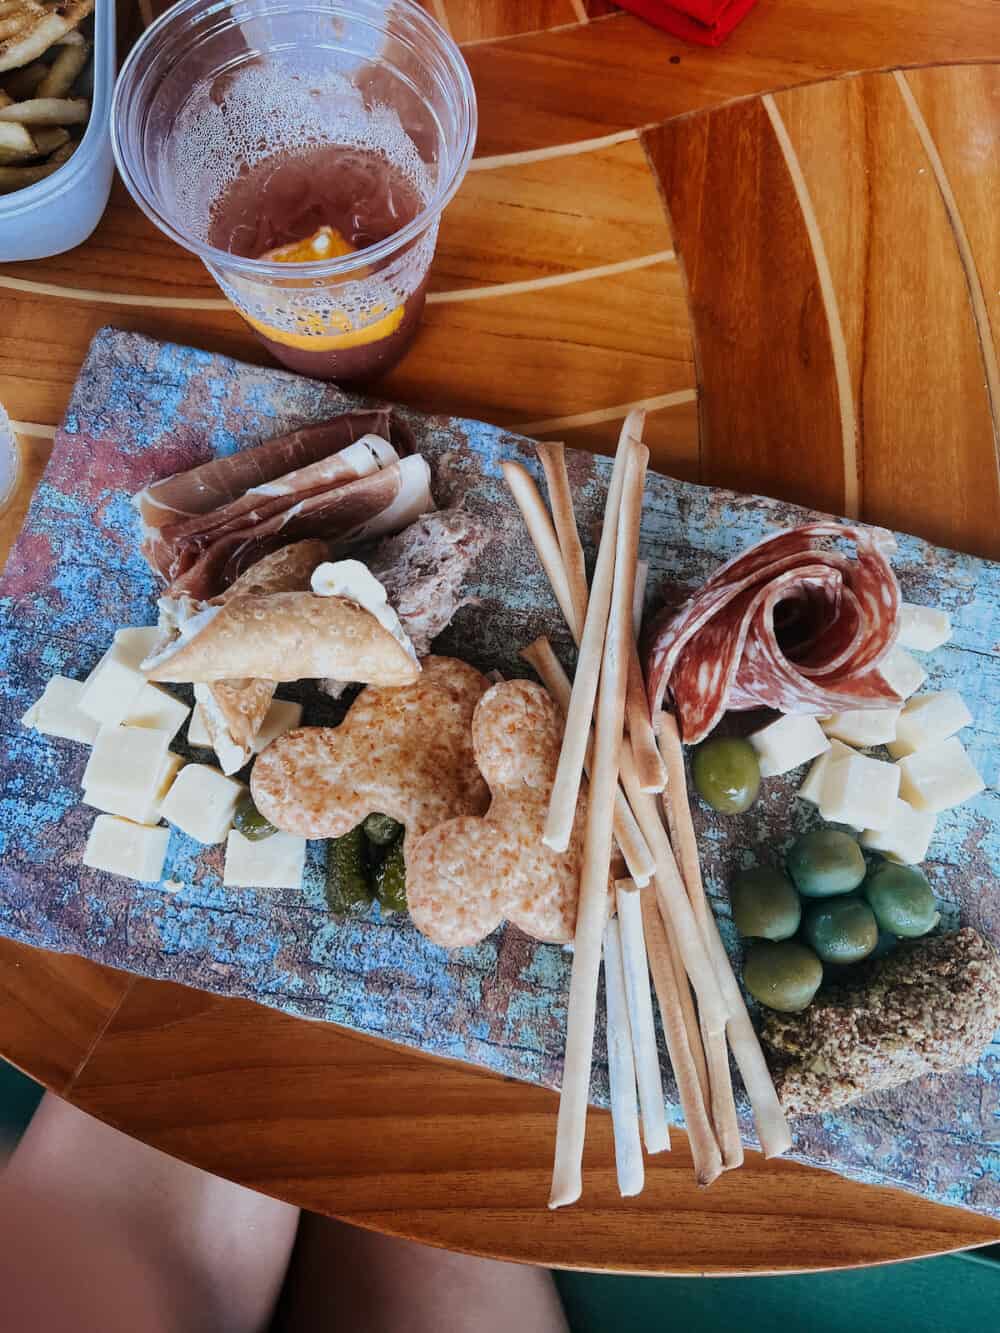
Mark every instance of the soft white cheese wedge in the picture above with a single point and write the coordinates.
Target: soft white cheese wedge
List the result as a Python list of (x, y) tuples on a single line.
[(134, 851), (902, 672), (231, 756), (862, 727), (905, 838), (812, 789), (859, 791), (57, 712), (355, 581), (938, 776), (202, 803), (127, 804), (788, 742), (127, 761), (198, 734), (272, 863), (157, 708), (928, 718), (923, 627)]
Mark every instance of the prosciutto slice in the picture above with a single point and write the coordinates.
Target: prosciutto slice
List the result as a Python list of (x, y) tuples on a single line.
[(793, 623), (370, 506), (204, 527), (203, 489)]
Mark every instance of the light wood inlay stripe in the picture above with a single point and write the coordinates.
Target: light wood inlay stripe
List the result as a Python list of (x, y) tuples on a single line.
[(606, 413), (555, 150), (35, 429), (980, 313), (435, 298), (838, 343), (553, 280)]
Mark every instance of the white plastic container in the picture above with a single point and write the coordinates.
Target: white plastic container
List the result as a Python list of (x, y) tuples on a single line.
[(61, 211)]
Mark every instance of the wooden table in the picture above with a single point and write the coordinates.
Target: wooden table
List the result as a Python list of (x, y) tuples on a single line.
[(800, 281)]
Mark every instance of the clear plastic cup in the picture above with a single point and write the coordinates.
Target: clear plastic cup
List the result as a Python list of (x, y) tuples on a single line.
[(210, 90), (8, 460)]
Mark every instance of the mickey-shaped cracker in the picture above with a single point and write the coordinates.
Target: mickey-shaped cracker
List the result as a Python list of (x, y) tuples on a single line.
[(402, 751), (467, 875)]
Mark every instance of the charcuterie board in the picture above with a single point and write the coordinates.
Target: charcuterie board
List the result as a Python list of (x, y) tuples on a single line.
[(142, 409)]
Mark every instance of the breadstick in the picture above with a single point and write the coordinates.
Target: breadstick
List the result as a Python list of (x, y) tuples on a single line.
[(623, 522), (689, 1017), (679, 914), (649, 765), (655, 1132), (772, 1127), (553, 460), (682, 836), (621, 1069), (543, 535), (704, 1149), (632, 844), (566, 788)]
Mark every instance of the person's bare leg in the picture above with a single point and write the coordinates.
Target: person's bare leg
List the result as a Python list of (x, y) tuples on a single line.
[(344, 1280), (99, 1231)]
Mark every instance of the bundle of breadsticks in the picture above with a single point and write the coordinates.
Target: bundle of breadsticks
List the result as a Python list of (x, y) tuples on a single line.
[(638, 795)]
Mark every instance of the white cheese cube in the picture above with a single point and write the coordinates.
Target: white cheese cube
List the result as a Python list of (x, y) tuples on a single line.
[(197, 731), (938, 776), (57, 712), (127, 760), (862, 726), (202, 802), (111, 690), (812, 788), (859, 791), (905, 838), (126, 804), (788, 742), (928, 718), (273, 863), (157, 708), (282, 716), (923, 627), (901, 672), (121, 848)]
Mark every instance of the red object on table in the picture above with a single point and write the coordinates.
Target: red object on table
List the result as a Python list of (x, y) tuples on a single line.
[(705, 22)]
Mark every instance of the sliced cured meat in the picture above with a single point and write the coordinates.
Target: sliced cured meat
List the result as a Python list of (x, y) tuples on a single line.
[(381, 502), (174, 548), (208, 487), (793, 623)]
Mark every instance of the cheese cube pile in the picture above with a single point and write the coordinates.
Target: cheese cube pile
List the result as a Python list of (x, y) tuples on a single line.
[(895, 804)]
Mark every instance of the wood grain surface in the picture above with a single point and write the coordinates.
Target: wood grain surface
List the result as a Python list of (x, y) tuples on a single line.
[(802, 282)]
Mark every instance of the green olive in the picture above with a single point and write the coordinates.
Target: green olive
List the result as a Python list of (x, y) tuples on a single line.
[(826, 862), (842, 931), (726, 775), (390, 879), (902, 899), (765, 904), (782, 974), (347, 887), (250, 822)]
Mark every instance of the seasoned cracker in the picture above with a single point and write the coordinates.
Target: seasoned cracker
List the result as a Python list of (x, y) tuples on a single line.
[(467, 875), (401, 751)]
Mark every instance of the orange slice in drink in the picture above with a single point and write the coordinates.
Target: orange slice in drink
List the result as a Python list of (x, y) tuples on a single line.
[(330, 331)]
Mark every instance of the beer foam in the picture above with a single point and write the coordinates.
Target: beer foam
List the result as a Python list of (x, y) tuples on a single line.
[(236, 121)]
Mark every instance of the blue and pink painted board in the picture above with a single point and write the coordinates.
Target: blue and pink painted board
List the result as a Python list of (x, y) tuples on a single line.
[(142, 409)]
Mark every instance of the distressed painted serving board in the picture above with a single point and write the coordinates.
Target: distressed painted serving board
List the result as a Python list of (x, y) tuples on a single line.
[(142, 409)]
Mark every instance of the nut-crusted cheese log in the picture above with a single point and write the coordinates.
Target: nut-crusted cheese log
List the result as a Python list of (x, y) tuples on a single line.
[(929, 1007)]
